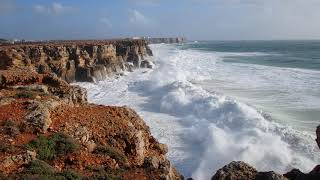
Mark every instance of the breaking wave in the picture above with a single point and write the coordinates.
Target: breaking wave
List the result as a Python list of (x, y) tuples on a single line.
[(204, 130)]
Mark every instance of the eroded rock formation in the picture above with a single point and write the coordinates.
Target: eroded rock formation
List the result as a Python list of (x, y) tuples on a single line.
[(78, 60), (240, 170), (48, 130), (166, 40), (111, 141)]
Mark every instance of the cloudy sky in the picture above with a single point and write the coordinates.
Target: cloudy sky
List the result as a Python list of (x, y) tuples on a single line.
[(194, 19)]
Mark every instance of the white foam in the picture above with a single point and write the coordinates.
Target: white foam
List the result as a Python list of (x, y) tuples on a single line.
[(204, 130)]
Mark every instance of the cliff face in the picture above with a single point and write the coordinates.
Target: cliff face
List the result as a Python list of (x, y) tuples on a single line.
[(78, 60), (165, 40), (48, 130)]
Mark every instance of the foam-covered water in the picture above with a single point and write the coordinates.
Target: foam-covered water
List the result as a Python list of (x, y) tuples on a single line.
[(204, 128)]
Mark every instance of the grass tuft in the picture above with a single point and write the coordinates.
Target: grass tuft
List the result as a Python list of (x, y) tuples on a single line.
[(112, 152), (48, 148)]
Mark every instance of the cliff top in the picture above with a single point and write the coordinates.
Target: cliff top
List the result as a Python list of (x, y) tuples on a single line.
[(74, 42)]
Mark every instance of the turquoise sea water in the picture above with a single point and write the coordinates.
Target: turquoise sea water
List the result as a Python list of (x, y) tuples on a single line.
[(293, 54), (281, 78)]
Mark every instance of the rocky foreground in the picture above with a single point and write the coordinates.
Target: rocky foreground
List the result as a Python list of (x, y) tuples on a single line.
[(48, 130)]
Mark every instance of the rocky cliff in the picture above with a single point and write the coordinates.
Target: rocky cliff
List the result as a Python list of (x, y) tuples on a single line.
[(78, 60), (48, 130), (165, 40), (240, 170)]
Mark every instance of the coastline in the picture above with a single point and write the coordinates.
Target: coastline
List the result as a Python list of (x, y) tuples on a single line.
[(70, 102), (53, 132)]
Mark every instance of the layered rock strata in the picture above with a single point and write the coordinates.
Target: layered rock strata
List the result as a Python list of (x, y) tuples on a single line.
[(43, 119), (48, 130), (166, 40), (78, 60)]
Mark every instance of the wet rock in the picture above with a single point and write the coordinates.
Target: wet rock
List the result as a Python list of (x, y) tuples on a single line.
[(296, 174), (269, 176), (147, 64), (242, 171), (99, 73)]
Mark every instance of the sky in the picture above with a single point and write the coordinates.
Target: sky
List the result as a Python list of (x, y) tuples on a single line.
[(193, 19)]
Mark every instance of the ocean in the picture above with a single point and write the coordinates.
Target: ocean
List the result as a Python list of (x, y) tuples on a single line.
[(213, 102)]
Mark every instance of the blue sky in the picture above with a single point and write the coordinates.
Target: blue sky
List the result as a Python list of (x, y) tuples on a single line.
[(194, 19)]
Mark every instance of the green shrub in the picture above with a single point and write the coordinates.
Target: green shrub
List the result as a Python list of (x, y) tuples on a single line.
[(105, 177), (39, 167), (70, 175), (112, 152), (48, 148), (4, 148), (9, 123), (24, 95), (113, 178), (11, 128), (114, 171)]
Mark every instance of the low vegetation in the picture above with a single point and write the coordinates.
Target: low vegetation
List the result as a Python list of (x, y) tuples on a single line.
[(39, 167), (48, 148), (112, 152), (41, 170), (24, 94), (101, 172)]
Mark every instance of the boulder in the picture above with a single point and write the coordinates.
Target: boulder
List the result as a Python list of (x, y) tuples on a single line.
[(147, 64), (6, 100), (269, 176), (242, 171), (163, 148), (39, 116), (235, 170), (68, 93), (20, 159), (151, 162)]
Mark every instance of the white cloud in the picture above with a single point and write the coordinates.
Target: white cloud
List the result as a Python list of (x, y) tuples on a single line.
[(40, 9), (58, 8), (106, 21), (54, 8), (145, 2), (136, 17), (255, 19)]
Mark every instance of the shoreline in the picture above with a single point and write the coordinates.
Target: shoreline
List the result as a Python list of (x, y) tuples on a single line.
[(74, 99)]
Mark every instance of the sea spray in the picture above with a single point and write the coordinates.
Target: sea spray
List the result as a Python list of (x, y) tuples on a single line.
[(204, 130)]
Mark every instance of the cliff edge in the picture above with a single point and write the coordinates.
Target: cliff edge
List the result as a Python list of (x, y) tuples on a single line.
[(48, 130), (78, 60)]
